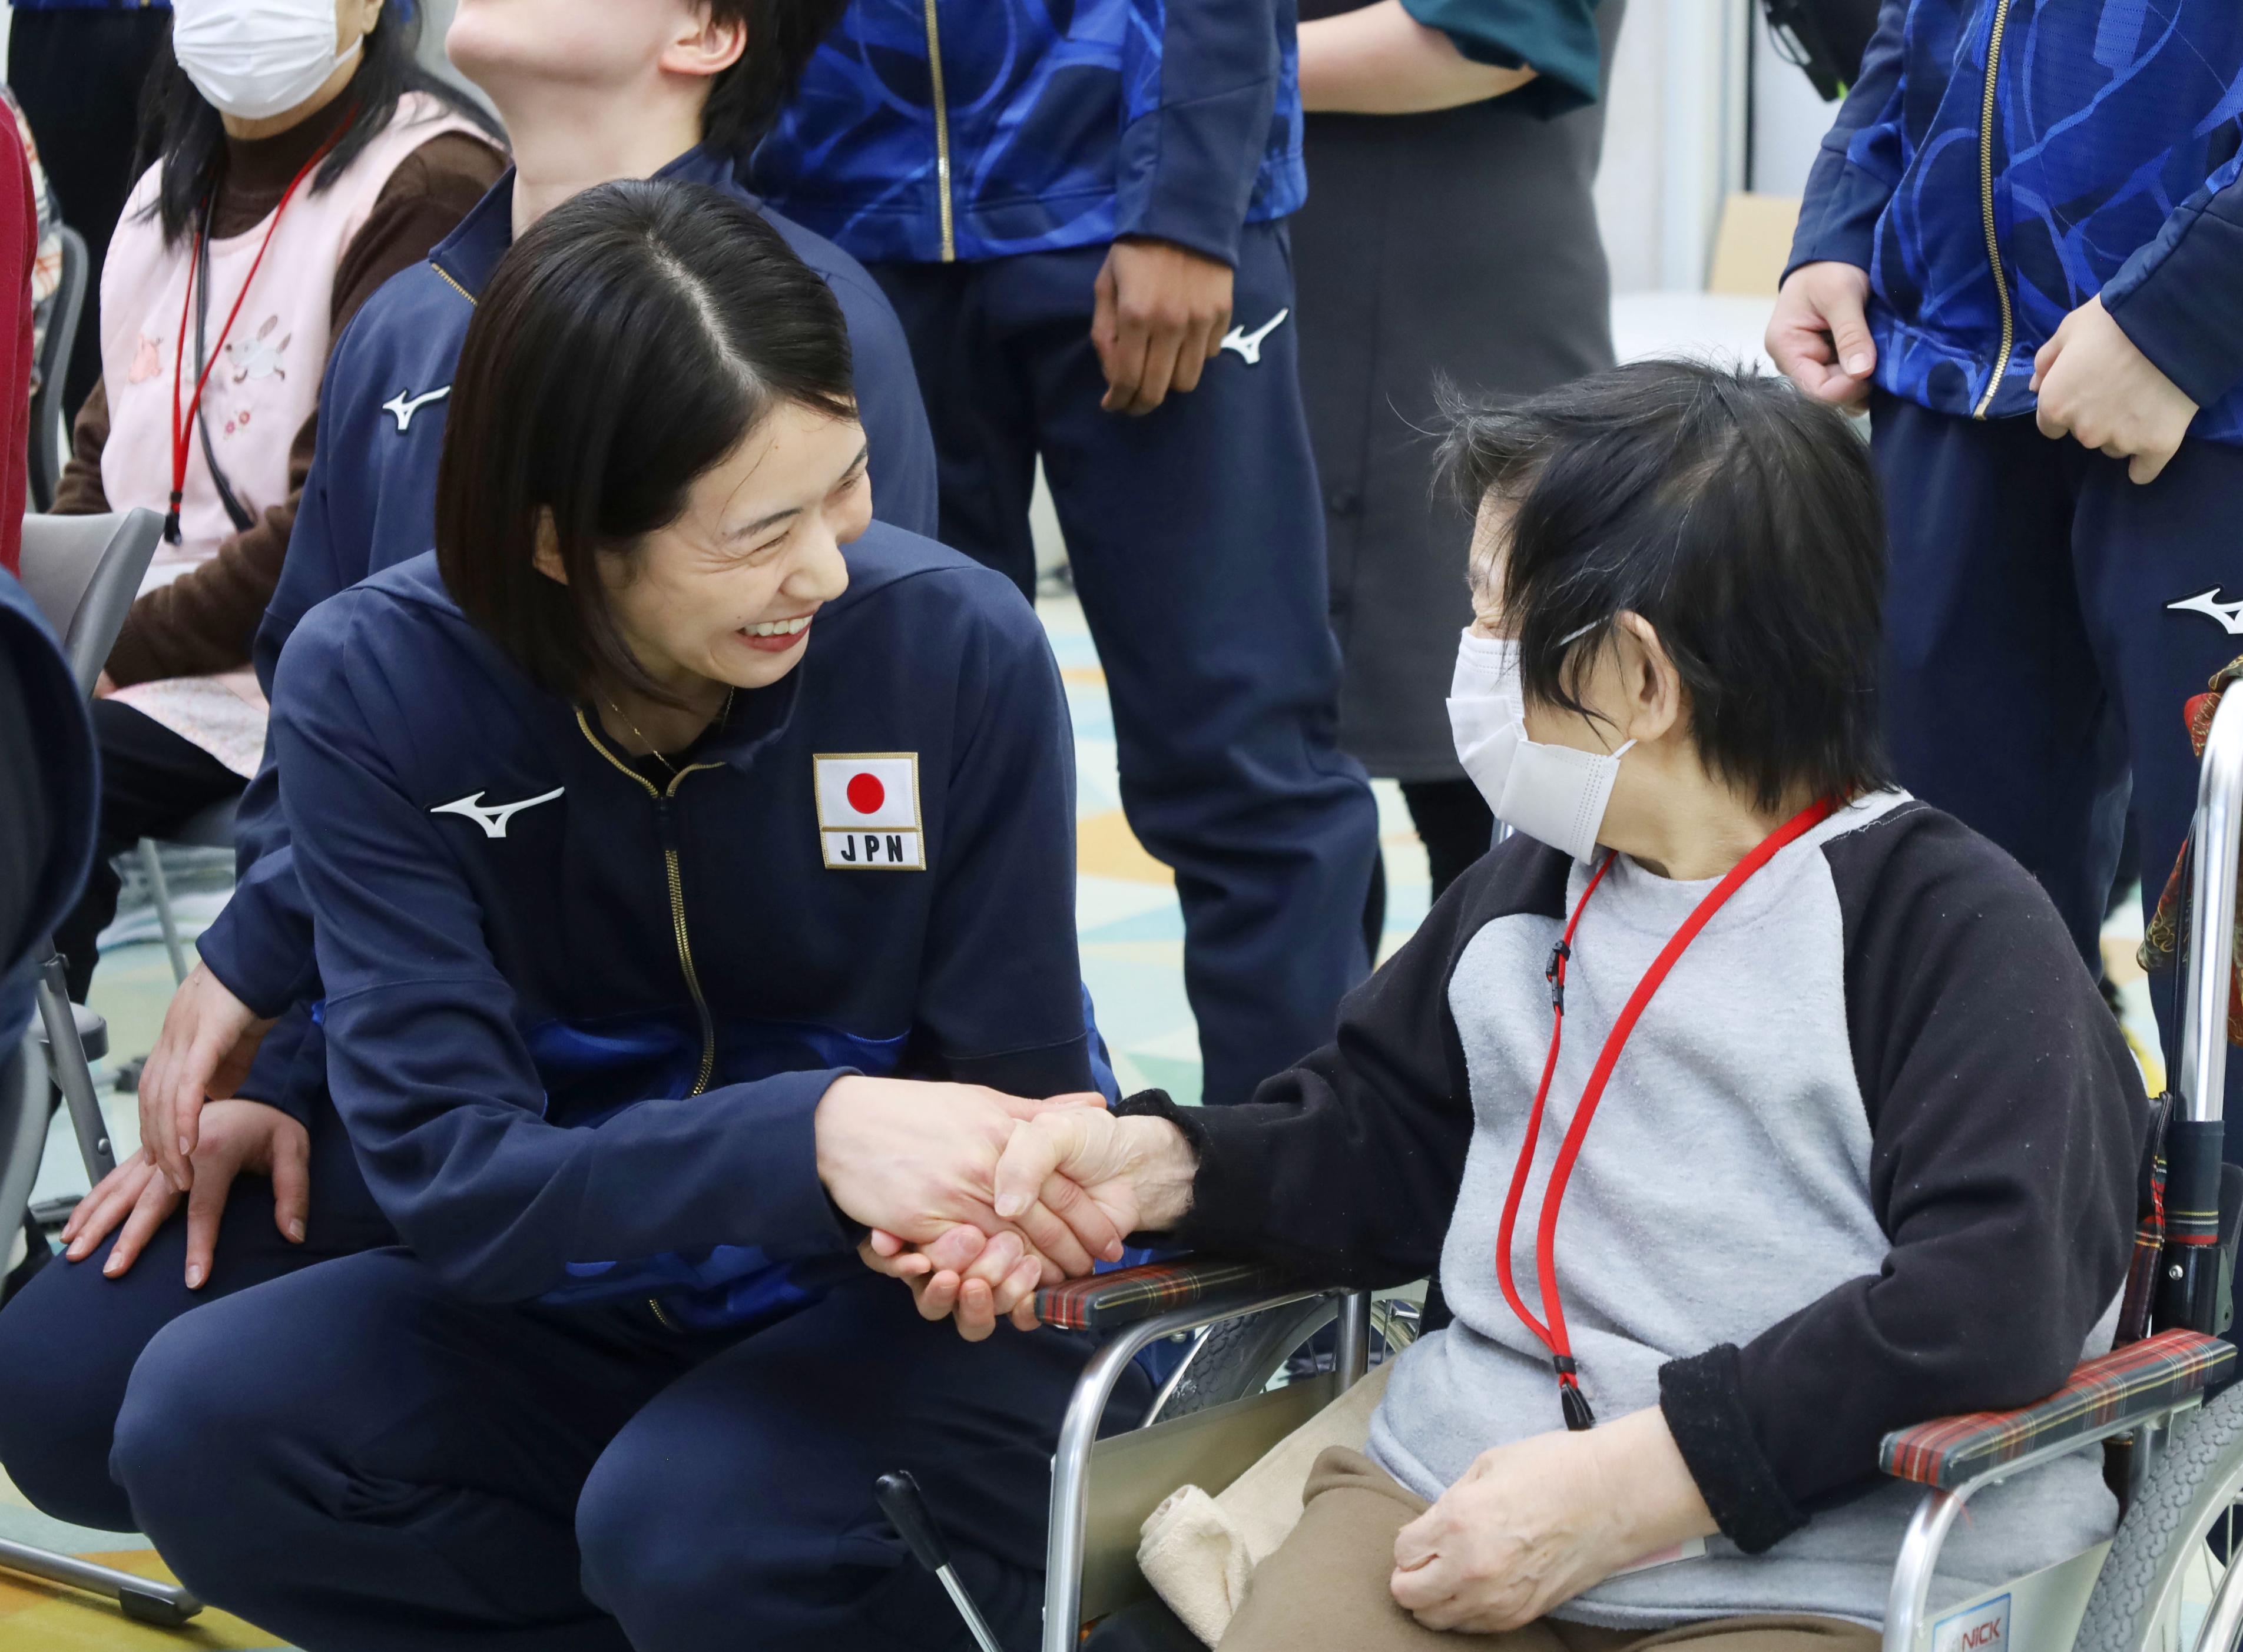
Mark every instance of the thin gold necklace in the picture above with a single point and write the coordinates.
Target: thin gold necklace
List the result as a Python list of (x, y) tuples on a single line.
[(723, 712)]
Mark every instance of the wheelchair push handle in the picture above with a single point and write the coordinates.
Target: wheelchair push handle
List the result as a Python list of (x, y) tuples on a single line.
[(904, 1504)]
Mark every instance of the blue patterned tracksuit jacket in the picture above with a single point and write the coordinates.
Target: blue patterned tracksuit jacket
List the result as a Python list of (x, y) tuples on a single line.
[(2000, 162), (933, 129)]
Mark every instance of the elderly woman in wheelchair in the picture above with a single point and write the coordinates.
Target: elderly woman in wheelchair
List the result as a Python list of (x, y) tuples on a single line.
[(1744, 1108)]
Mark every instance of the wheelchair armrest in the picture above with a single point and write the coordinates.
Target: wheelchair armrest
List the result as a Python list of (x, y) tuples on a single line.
[(2106, 1396), (1104, 1301)]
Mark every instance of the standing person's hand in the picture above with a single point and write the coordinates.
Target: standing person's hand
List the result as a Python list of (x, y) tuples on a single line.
[(1819, 335), (209, 1037), (915, 1159), (1161, 311), (2096, 386), (235, 1137)]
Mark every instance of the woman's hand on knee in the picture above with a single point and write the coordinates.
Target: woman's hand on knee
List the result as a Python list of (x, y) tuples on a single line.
[(204, 1052), (235, 1136), (1532, 1524)]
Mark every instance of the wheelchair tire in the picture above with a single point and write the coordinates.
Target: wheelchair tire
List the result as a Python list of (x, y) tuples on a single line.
[(2139, 1603)]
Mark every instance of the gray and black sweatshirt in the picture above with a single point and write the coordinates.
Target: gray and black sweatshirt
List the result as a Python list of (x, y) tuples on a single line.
[(1868, 1159)]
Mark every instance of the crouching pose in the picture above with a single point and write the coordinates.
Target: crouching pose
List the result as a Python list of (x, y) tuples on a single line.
[(648, 837), (1827, 1133)]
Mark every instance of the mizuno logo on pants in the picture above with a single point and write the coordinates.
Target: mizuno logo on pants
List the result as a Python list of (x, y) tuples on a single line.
[(2228, 615), (1248, 345)]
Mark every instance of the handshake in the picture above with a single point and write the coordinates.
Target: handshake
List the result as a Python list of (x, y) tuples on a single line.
[(975, 1199)]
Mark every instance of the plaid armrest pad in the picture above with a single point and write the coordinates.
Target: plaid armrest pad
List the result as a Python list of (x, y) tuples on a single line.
[(1107, 1300), (2135, 1381)]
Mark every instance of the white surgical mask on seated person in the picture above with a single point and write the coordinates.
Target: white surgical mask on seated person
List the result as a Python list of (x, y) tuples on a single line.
[(255, 59), (1554, 793)]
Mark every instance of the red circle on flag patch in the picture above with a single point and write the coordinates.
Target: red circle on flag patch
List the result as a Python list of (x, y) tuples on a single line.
[(866, 794)]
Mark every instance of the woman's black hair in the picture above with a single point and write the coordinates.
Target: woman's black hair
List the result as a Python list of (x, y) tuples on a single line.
[(180, 128), (1739, 517), (747, 98), (624, 346)]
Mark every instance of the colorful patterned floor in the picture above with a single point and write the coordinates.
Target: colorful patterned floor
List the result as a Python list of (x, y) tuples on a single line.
[(1132, 958)]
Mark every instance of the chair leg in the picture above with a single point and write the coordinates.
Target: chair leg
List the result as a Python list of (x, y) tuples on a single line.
[(152, 862), (144, 1600), (72, 1074)]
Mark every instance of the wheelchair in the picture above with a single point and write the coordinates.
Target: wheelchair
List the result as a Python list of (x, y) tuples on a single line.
[(2163, 1582)]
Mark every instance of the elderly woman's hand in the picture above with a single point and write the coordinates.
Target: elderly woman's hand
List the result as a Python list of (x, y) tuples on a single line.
[(1532, 1524)]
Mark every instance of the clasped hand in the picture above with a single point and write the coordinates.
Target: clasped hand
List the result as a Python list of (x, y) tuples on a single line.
[(976, 1198)]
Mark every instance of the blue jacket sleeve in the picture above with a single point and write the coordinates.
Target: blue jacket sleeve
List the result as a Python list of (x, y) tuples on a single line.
[(2180, 298), (1000, 990), (260, 945), (1198, 120), (1859, 166), (431, 1074), (1556, 38)]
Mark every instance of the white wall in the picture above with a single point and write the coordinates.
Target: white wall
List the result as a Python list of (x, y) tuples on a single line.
[(1675, 135), (1788, 118)]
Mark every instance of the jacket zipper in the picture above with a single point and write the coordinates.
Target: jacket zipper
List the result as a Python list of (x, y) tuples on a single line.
[(665, 814), (450, 282), (1986, 205), (941, 132)]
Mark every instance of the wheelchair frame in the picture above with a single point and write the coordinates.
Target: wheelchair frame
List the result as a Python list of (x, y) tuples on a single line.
[(2046, 1607)]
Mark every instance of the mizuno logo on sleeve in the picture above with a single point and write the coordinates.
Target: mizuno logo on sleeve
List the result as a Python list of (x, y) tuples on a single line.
[(402, 409), (493, 819)]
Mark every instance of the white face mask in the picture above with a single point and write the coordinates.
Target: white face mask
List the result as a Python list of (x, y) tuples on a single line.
[(255, 59), (1554, 794)]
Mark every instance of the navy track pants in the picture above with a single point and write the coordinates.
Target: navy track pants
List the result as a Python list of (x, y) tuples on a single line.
[(1196, 536), (354, 1458), (68, 1340), (2037, 655)]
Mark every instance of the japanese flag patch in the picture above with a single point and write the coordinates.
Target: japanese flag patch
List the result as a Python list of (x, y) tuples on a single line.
[(868, 811)]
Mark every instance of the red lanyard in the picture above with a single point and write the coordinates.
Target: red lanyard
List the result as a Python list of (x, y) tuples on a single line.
[(181, 427), (1553, 1336)]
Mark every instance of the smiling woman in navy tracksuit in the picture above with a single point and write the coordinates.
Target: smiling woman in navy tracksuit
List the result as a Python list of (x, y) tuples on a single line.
[(646, 835)]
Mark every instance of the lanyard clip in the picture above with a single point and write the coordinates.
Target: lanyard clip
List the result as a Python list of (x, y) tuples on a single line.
[(172, 519), (1555, 975), (1575, 1404)]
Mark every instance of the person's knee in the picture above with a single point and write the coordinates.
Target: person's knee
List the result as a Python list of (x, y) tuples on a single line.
[(189, 1429), (61, 1372), (686, 1555)]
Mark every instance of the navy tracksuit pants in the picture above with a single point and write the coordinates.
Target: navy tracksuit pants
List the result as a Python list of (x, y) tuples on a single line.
[(1197, 541), (326, 1441), (2037, 657)]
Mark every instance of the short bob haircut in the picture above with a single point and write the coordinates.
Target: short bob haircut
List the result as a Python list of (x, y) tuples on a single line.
[(1739, 517), (622, 347)]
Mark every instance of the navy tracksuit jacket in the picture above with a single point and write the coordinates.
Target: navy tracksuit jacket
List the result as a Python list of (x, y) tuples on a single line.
[(370, 502), (580, 1012), (1195, 533), (2047, 618)]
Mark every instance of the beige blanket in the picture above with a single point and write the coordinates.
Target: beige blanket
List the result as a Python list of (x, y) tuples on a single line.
[(1197, 1551)]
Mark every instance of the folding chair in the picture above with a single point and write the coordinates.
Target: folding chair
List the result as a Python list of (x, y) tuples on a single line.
[(84, 573), (50, 428)]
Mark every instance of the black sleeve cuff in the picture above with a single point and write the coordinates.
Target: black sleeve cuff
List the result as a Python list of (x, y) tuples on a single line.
[(1702, 1399)]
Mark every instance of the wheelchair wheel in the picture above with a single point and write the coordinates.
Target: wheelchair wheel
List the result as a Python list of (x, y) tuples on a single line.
[(1240, 1357), (2166, 1564)]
